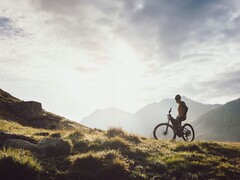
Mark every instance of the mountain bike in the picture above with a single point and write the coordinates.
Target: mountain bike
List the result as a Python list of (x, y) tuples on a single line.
[(169, 132)]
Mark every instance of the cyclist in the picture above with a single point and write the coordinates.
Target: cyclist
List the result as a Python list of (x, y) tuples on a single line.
[(182, 114)]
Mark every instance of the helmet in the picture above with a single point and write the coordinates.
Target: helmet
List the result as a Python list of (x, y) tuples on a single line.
[(178, 97)]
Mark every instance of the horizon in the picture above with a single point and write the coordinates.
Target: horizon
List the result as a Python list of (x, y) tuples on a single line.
[(76, 57)]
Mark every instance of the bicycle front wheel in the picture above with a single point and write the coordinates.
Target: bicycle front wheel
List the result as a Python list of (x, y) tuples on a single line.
[(164, 131), (188, 132)]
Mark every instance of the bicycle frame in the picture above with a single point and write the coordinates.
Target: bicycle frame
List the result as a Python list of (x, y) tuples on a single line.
[(182, 132), (169, 115)]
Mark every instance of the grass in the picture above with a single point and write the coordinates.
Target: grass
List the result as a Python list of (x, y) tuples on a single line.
[(116, 154), (119, 132), (18, 163), (101, 165)]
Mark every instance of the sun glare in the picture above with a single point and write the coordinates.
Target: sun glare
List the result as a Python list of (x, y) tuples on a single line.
[(119, 80)]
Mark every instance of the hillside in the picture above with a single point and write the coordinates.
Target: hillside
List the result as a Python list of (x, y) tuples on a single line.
[(144, 120), (92, 154), (220, 124), (31, 113), (115, 154)]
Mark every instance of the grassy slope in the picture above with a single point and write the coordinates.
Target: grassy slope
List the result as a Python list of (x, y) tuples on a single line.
[(117, 155)]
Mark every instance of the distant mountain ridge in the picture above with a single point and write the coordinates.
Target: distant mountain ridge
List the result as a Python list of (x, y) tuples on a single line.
[(222, 124), (111, 117), (146, 118)]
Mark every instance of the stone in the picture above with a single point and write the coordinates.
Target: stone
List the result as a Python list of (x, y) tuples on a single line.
[(28, 110), (5, 136), (21, 144), (54, 147)]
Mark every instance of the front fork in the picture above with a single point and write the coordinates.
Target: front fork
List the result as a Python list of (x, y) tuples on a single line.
[(168, 123)]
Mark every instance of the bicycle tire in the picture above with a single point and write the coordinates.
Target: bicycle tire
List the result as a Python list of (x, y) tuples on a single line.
[(163, 126), (188, 127)]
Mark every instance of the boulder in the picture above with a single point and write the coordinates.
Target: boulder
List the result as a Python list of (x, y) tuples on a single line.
[(54, 147), (21, 144), (5, 136)]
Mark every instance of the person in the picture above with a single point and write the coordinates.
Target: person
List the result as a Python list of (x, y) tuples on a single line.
[(182, 114)]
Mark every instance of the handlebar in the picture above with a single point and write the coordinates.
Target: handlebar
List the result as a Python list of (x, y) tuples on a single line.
[(169, 112)]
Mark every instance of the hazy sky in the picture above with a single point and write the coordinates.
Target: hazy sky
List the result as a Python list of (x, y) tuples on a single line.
[(76, 56)]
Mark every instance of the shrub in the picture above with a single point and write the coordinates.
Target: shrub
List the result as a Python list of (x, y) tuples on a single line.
[(133, 138), (76, 136), (15, 164), (81, 145), (113, 132)]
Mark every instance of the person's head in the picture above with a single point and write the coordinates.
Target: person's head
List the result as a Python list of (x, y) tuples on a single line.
[(178, 98)]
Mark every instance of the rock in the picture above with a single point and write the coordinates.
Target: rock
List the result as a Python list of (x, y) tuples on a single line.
[(54, 147), (5, 136), (21, 144), (27, 110)]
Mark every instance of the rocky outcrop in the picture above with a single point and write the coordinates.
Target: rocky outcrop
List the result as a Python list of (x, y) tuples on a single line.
[(30, 113), (27, 110)]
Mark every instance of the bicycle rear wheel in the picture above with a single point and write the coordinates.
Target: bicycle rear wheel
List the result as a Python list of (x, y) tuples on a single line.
[(164, 131), (188, 132)]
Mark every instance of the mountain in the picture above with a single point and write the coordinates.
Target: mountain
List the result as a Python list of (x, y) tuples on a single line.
[(106, 118), (222, 124), (151, 115), (144, 120)]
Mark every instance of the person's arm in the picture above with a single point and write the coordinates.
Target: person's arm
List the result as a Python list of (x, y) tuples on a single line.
[(185, 108)]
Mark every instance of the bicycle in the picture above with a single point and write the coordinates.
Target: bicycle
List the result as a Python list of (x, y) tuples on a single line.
[(169, 132)]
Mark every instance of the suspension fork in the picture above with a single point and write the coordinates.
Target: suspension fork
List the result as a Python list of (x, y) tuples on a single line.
[(168, 124)]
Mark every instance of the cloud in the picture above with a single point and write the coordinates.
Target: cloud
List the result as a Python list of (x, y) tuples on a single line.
[(226, 84), (7, 28), (86, 69), (153, 48), (168, 27)]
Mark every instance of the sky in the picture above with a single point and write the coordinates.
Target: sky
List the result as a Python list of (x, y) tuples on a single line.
[(77, 56)]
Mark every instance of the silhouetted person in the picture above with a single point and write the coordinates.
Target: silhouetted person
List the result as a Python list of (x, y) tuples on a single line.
[(182, 113)]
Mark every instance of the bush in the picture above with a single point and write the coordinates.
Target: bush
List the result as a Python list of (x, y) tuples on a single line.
[(16, 164), (81, 146), (113, 132), (76, 136), (133, 138), (119, 132)]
